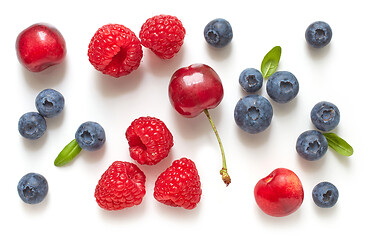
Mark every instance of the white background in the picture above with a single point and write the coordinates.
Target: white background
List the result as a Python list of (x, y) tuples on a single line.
[(339, 73)]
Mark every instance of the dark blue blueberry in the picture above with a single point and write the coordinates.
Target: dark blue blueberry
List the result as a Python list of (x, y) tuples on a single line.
[(218, 33), (325, 194), (49, 103), (325, 116), (32, 125), (90, 136), (311, 145), (253, 113), (318, 34), (32, 188), (251, 80), (282, 86)]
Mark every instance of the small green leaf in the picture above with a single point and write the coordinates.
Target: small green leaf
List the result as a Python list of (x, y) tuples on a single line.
[(271, 61), (338, 144), (67, 154)]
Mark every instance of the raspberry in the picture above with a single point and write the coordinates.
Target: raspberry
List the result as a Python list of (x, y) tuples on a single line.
[(149, 140), (179, 185), (115, 50), (163, 34), (121, 186)]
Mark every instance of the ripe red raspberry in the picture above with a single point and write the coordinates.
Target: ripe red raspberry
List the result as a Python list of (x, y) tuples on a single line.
[(121, 186), (179, 185), (115, 50), (163, 34), (149, 140)]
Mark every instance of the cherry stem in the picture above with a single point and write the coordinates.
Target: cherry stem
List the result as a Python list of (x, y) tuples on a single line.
[(225, 176)]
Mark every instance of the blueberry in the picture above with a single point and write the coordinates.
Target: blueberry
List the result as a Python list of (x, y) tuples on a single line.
[(90, 136), (282, 86), (325, 116), (325, 195), (49, 103), (32, 188), (311, 145), (32, 125), (318, 34), (218, 33), (251, 80), (253, 113)]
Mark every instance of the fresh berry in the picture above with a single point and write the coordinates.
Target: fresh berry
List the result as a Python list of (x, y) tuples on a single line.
[(253, 113), (32, 188), (318, 34), (40, 46), (325, 116), (121, 186), (115, 50), (280, 193), (282, 86), (163, 35), (32, 125), (193, 90), (325, 195), (218, 33), (251, 80), (90, 136), (179, 185), (311, 145), (149, 140), (49, 103)]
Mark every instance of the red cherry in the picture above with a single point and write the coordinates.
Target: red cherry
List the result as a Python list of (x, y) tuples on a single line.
[(40, 46), (280, 193), (195, 89)]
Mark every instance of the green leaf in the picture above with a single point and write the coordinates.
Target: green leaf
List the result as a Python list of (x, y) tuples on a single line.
[(338, 144), (67, 154), (271, 61)]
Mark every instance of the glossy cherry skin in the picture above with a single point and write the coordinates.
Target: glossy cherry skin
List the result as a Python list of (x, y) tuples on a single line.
[(195, 88), (280, 193), (40, 46)]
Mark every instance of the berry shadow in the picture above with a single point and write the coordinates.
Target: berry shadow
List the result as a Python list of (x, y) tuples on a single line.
[(318, 53), (111, 86), (192, 128), (219, 54), (93, 156), (253, 140), (120, 216), (152, 172), (37, 144), (311, 166), (346, 161), (244, 93), (47, 78), (283, 109), (55, 122), (294, 218), (178, 214), (162, 67), (325, 212), (33, 209)]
